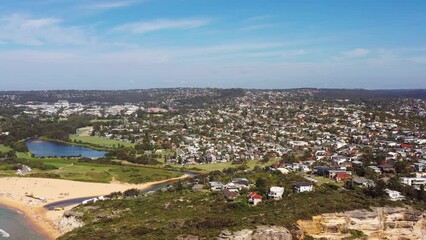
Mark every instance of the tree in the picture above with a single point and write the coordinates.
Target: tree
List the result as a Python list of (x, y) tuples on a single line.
[(262, 185)]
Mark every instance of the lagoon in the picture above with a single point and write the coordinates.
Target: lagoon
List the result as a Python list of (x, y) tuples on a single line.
[(43, 148)]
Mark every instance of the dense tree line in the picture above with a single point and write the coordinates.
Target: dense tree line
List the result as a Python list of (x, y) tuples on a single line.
[(23, 127)]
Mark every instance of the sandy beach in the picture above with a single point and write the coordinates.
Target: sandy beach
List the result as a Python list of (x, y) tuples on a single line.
[(13, 191)]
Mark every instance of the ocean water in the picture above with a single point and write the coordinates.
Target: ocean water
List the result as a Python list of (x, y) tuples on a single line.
[(13, 226)]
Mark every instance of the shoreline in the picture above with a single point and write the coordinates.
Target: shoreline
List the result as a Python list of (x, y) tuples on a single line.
[(44, 221), (32, 217)]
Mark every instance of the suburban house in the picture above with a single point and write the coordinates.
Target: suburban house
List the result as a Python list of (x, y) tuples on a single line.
[(414, 182), (254, 198), (394, 195), (276, 193), (233, 187), (229, 195), (216, 186), (363, 182), (303, 187), (241, 181), (420, 166), (342, 176)]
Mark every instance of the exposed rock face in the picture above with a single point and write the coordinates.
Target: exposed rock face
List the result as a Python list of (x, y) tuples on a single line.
[(381, 223), (261, 233), (70, 221)]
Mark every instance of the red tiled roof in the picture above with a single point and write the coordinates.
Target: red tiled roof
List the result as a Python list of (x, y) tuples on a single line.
[(254, 195), (343, 175)]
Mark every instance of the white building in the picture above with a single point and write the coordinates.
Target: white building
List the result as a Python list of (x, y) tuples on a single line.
[(394, 195), (303, 187), (276, 193), (414, 181)]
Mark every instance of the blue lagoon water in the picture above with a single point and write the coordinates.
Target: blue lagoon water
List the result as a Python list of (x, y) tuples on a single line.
[(42, 148), (13, 226)]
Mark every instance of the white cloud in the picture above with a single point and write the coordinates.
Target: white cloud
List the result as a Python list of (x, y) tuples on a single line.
[(258, 18), (161, 24), (256, 27), (359, 52), (109, 5), (39, 23), (22, 30)]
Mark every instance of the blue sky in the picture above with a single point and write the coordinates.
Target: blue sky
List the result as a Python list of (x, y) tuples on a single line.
[(88, 44)]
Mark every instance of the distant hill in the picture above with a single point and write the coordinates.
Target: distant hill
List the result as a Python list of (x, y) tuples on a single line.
[(193, 96), (365, 94)]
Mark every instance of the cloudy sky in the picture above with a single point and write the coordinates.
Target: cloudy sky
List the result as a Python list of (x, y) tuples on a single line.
[(111, 44)]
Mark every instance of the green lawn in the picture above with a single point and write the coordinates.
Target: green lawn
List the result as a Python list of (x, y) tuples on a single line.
[(84, 130), (25, 155), (322, 180), (220, 166), (105, 120), (71, 169), (99, 141), (4, 149)]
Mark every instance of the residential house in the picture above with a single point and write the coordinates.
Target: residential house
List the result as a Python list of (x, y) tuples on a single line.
[(276, 193), (420, 166), (216, 186), (254, 198), (363, 182), (375, 169), (414, 181), (229, 195), (394, 195), (303, 187), (342, 176)]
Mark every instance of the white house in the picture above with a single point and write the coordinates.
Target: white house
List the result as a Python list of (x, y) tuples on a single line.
[(303, 187), (254, 198), (216, 186), (394, 195), (276, 193), (414, 182)]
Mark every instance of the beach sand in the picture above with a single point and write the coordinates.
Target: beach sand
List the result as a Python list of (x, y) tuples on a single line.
[(13, 191)]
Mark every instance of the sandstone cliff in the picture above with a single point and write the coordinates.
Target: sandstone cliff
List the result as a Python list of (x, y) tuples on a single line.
[(380, 223), (260, 233)]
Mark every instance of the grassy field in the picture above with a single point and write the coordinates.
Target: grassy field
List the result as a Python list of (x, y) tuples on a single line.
[(4, 148), (84, 131), (220, 166), (105, 120), (99, 141), (71, 169)]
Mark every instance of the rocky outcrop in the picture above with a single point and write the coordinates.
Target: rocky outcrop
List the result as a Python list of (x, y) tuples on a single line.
[(70, 221), (380, 223), (260, 233)]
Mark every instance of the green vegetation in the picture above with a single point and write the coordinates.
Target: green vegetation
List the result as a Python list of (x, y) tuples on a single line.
[(221, 166), (355, 234), (4, 149), (205, 214), (73, 169), (140, 175), (105, 120), (84, 130), (99, 141)]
